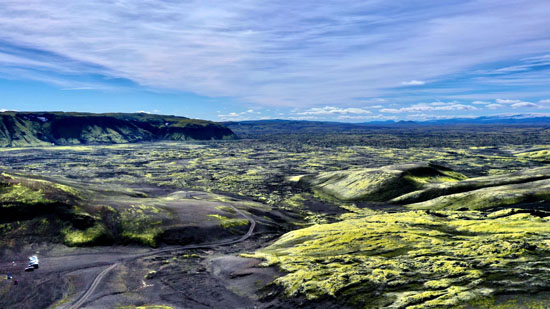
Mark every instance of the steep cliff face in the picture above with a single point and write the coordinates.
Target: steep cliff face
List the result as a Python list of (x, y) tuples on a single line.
[(44, 128)]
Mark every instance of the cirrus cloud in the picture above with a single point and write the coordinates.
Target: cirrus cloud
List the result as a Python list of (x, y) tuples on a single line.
[(330, 50), (413, 82), (430, 107), (331, 110)]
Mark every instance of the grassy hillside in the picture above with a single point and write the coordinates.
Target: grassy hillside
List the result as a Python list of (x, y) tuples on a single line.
[(45, 128)]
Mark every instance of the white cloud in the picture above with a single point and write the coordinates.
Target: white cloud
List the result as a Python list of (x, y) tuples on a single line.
[(524, 104), (481, 102), (517, 103), (507, 101), (330, 110), (230, 115), (414, 82), (547, 101), (303, 118), (494, 106), (430, 107), (309, 54), (366, 117)]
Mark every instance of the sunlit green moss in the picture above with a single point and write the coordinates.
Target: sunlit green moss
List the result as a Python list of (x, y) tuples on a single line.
[(379, 184), (414, 258), (145, 307), (496, 196), (138, 224), (19, 194), (89, 236), (227, 223), (537, 155), (147, 237)]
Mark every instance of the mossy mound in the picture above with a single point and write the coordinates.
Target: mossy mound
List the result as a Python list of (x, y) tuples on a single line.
[(95, 235), (378, 184), (491, 197), (79, 215), (520, 188), (39, 208), (415, 259), (541, 155), (20, 190), (434, 190)]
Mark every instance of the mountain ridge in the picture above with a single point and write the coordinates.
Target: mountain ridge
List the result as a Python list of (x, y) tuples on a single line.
[(62, 128)]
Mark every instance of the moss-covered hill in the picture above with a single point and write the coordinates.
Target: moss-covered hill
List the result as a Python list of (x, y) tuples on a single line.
[(415, 259), (379, 184), (431, 187), (45, 128), (37, 209), (455, 242)]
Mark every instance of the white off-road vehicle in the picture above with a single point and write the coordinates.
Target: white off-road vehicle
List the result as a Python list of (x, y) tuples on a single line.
[(33, 263)]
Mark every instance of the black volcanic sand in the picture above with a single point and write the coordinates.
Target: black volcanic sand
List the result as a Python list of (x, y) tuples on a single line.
[(209, 278)]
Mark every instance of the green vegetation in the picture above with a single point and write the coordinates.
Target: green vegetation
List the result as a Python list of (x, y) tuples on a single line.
[(146, 307), (541, 155), (228, 223), (91, 236), (43, 129), (379, 184), (435, 190), (491, 197), (80, 215), (380, 229), (19, 194), (415, 259)]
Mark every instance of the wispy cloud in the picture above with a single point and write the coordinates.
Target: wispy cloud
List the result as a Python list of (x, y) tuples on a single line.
[(517, 103), (494, 106), (524, 104), (430, 107), (414, 82), (245, 115), (330, 110), (481, 103), (308, 54)]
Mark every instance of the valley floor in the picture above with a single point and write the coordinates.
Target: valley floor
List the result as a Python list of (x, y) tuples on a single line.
[(279, 222)]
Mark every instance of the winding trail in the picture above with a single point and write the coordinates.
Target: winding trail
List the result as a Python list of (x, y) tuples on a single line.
[(93, 286), (97, 280)]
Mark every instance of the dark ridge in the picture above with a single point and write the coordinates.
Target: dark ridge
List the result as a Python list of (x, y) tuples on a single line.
[(59, 128)]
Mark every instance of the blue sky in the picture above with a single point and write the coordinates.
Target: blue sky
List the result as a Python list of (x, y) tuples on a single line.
[(317, 60)]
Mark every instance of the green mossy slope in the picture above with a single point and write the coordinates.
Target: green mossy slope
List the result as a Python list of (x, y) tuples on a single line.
[(415, 259), (45, 128), (37, 209), (378, 184), (419, 186), (439, 189), (492, 197)]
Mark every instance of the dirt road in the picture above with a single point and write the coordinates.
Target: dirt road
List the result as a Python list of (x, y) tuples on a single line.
[(80, 301)]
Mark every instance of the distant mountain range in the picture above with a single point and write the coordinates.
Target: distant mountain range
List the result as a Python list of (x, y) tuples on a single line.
[(278, 126), (523, 119), (59, 128)]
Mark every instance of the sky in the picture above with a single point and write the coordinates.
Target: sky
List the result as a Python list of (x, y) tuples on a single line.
[(351, 61)]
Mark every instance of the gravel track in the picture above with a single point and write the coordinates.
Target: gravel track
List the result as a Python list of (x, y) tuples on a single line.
[(79, 302)]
